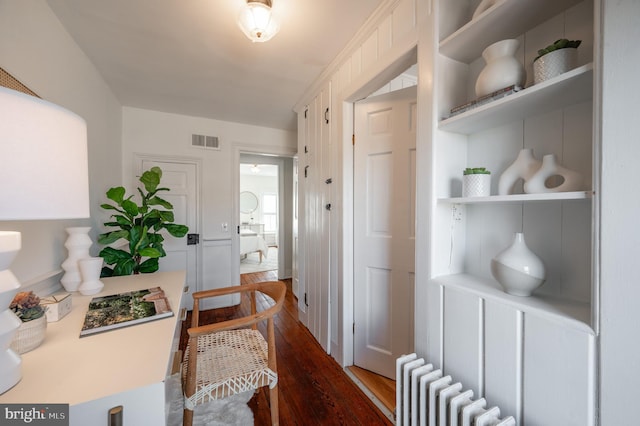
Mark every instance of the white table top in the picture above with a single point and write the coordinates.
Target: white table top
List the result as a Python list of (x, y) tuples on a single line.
[(68, 369)]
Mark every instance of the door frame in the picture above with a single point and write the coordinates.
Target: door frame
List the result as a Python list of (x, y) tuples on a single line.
[(404, 57), (238, 149)]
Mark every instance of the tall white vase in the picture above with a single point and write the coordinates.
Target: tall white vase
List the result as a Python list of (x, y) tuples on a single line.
[(518, 270), (503, 69), (78, 244), (571, 180), (524, 167), (90, 269)]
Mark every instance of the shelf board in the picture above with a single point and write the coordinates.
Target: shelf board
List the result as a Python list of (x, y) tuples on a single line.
[(549, 196), (573, 314), (566, 89), (506, 19)]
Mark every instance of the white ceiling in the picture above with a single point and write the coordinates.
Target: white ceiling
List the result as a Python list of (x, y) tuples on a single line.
[(189, 56)]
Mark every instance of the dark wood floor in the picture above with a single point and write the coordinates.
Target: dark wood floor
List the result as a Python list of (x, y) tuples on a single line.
[(313, 388)]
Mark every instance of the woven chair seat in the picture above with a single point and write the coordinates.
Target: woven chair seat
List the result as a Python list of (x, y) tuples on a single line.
[(229, 362)]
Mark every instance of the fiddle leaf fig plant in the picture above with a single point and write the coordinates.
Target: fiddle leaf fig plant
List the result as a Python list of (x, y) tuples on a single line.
[(140, 225)]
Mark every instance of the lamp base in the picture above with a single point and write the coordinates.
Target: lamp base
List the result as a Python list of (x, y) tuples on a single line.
[(10, 362)]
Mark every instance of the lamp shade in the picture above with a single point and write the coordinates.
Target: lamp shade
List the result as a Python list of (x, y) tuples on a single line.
[(43, 160), (256, 21)]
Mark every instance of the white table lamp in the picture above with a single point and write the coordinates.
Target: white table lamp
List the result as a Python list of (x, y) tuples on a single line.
[(43, 175)]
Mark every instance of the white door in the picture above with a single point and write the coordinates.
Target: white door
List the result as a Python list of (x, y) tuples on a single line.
[(181, 179), (384, 229)]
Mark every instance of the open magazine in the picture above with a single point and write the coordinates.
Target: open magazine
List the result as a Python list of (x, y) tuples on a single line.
[(125, 309)]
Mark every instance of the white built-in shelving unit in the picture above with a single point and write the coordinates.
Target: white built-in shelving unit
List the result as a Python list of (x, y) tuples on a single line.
[(506, 346)]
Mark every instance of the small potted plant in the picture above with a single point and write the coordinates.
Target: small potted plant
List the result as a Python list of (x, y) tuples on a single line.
[(31, 333), (476, 182), (555, 59)]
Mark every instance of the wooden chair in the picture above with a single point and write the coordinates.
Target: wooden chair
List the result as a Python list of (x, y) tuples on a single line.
[(231, 357)]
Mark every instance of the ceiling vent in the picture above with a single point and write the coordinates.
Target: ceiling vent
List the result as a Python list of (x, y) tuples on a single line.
[(205, 142)]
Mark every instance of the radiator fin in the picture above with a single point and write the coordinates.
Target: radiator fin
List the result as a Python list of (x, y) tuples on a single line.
[(425, 397)]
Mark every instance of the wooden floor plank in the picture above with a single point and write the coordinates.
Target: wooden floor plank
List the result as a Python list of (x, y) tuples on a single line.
[(313, 388)]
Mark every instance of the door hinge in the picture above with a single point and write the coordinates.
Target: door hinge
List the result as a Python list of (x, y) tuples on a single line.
[(306, 168), (305, 300), (326, 115), (354, 328), (306, 149), (193, 239), (353, 139)]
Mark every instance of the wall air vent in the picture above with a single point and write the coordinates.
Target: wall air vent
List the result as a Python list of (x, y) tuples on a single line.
[(205, 142)]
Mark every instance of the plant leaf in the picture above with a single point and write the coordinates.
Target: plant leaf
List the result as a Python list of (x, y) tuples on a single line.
[(111, 237), (157, 201), (151, 178), (116, 194), (125, 267), (178, 231), (111, 255), (106, 272), (149, 266), (166, 216), (130, 207), (150, 252)]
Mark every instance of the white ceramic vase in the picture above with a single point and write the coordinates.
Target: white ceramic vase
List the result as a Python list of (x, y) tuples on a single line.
[(540, 182), (554, 63), (90, 269), (478, 185), (524, 167), (502, 70), (77, 244), (518, 270)]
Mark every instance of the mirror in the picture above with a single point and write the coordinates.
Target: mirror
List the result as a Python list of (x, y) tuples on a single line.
[(248, 202)]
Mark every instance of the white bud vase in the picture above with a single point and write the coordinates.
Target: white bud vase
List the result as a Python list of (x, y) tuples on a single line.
[(518, 270), (503, 69), (538, 183), (524, 167), (78, 244), (90, 269)]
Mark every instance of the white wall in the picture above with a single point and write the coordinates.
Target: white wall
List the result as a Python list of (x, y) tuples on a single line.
[(619, 224), (38, 51), (169, 136), (158, 133)]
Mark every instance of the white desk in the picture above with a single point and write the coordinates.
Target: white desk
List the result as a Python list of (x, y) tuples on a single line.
[(127, 366)]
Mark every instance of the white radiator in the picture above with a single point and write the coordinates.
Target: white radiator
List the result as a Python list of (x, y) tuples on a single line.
[(424, 397)]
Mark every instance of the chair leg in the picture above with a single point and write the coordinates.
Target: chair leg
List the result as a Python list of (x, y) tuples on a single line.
[(273, 402), (187, 419)]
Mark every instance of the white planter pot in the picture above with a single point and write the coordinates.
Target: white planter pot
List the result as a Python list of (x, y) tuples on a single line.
[(554, 63), (502, 69), (476, 185)]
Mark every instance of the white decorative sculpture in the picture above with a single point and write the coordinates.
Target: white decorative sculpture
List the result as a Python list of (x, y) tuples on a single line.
[(78, 244), (524, 167), (572, 180)]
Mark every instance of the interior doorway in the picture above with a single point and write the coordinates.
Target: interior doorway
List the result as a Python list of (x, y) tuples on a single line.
[(265, 214)]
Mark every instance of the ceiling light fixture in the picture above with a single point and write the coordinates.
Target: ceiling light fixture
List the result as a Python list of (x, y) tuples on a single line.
[(257, 22)]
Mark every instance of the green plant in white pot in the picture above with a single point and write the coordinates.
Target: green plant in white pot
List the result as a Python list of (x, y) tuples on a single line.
[(555, 59), (476, 182), (141, 226)]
